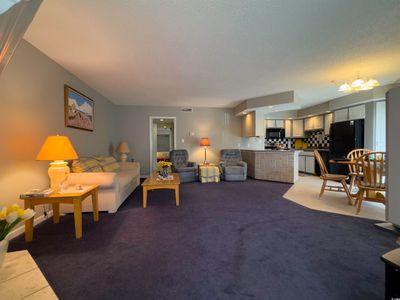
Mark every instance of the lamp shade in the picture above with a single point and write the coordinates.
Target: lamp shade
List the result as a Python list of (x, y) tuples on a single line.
[(123, 148), (204, 142), (57, 147)]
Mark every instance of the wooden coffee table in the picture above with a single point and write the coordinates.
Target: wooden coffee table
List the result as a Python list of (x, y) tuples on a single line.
[(153, 183)]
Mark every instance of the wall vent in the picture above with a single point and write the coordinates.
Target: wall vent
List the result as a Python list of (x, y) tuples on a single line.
[(187, 109)]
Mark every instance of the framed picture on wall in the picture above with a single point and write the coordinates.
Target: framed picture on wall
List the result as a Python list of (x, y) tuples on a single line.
[(79, 109)]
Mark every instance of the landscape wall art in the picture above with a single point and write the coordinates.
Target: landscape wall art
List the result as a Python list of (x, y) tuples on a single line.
[(79, 109)]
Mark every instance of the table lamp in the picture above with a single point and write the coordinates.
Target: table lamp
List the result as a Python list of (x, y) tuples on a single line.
[(123, 150), (57, 148), (205, 142)]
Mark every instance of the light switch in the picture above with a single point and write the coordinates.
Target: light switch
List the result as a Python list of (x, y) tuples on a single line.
[(182, 141)]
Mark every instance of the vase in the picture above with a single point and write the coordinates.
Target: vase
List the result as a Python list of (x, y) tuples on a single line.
[(165, 173), (3, 250)]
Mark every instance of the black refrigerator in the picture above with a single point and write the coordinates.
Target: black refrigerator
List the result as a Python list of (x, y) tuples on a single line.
[(344, 137)]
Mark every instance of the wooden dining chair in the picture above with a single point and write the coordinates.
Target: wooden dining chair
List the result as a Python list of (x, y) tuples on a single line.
[(371, 178), (354, 155), (326, 176)]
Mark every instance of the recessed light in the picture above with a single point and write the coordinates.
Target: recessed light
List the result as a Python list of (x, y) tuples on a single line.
[(328, 111), (271, 106), (165, 127), (161, 120), (309, 115)]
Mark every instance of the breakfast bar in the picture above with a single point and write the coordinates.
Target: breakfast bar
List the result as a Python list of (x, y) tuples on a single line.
[(273, 165)]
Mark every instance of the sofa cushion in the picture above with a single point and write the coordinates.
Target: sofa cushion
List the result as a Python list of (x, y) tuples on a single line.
[(108, 163), (86, 164)]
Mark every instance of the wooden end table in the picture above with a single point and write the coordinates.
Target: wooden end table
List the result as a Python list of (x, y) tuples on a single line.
[(153, 183), (75, 198)]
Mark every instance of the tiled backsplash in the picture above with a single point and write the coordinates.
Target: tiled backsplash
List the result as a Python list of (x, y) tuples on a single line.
[(287, 142), (315, 139)]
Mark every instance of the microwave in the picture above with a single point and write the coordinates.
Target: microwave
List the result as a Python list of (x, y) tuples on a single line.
[(275, 133)]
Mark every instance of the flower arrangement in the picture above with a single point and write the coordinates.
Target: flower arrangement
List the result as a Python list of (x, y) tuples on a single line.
[(163, 168), (11, 216)]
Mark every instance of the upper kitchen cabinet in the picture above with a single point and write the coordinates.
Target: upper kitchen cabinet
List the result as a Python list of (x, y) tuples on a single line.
[(314, 123), (341, 115), (275, 123), (288, 128), (357, 112), (298, 128), (328, 120), (253, 124), (352, 113)]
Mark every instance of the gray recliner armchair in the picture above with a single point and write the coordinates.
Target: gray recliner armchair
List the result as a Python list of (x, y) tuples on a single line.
[(233, 168), (187, 170)]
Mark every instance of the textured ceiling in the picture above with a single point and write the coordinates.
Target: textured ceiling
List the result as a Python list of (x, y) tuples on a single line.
[(216, 53)]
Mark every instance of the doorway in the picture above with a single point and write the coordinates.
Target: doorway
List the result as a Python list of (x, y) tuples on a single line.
[(162, 139)]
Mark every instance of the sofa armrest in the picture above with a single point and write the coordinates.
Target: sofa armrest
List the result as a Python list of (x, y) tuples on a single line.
[(102, 179), (129, 166)]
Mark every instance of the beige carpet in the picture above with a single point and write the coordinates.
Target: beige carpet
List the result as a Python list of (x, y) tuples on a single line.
[(305, 192)]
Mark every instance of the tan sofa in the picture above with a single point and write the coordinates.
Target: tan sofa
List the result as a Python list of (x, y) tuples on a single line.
[(114, 187)]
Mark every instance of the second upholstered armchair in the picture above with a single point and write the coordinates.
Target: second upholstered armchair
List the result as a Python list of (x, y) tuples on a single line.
[(233, 168), (180, 164)]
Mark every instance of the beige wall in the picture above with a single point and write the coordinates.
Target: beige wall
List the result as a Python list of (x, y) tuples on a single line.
[(220, 125), (32, 107)]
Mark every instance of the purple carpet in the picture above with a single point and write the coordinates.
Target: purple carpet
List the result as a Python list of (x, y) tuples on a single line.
[(225, 241)]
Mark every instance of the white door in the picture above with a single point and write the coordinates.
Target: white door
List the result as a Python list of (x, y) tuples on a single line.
[(310, 164)]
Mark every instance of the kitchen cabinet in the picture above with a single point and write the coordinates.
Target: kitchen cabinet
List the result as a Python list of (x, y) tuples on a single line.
[(270, 123), (310, 164), (357, 112), (253, 125), (288, 128), (314, 123), (298, 128), (302, 164), (328, 119), (341, 115), (280, 123), (308, 124), (275, 123)]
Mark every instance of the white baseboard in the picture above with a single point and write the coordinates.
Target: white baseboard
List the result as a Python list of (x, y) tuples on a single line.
[(21, 229)]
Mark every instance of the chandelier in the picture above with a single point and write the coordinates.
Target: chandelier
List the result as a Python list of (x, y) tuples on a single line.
[(358, 85)]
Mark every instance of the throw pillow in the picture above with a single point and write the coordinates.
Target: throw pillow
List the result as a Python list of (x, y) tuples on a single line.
[(86, 164), (108, 163)]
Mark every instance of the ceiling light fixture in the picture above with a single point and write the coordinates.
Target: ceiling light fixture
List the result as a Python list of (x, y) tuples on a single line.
[(358, 85)]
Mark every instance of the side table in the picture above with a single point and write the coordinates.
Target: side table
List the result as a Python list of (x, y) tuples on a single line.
[(209, 173), (74, 197)]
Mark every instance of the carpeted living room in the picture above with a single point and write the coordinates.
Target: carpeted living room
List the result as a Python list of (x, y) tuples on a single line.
[(199, 149)]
